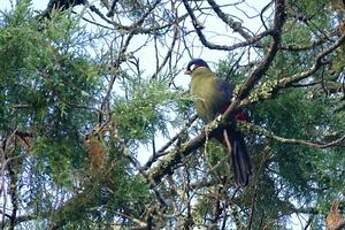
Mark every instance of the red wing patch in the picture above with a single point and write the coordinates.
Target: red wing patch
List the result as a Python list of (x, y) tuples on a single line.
[(240, 116)]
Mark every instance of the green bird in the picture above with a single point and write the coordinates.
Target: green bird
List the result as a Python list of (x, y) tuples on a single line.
[(212, 96)]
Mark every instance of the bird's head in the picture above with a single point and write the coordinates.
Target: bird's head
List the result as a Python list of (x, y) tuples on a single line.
[(194, 64)]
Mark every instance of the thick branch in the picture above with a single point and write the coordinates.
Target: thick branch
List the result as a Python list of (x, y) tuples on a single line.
[(258, 72), (270, 88), (174, 157)]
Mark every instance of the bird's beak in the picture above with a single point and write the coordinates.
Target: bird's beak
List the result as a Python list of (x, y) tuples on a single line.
[(187, 72)]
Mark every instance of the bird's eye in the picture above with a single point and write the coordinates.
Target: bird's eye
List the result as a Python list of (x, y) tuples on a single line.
[(193, 67)]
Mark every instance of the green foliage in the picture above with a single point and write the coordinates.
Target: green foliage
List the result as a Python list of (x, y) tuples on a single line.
[(229, 70), (143, 110), (57, 158), (217, 160), (47, 89), (306, 172), (53, 82), (41, 85), (40, 78)]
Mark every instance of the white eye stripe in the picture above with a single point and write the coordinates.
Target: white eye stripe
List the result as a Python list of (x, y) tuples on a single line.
[(194, 67)]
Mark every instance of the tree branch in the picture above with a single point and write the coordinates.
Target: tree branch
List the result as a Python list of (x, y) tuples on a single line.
[(162, 152), (175, 156), (270, 88), (210, 45), (258, 72), (288, 81), (136, 27), (270, 134), (236, 26), (112, 8)]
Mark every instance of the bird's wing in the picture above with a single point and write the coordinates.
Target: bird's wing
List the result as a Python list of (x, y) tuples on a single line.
[(224, 94)]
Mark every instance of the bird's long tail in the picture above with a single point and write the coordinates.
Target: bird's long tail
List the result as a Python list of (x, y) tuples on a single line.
[(241, 164)]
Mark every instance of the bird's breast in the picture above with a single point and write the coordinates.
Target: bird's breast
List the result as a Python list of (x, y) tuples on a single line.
[(202, 90)]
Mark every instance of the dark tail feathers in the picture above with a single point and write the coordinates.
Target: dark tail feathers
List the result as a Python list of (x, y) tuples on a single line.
[(239, 156)]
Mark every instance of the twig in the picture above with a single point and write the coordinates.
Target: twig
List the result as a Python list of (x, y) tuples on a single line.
[(162, 152), (210, 45), (136, 27), (288, 81), (236, 26), (252, 209), (310, 220), (270, 134), (292, 80), (168, 55), (152, 183), (112, 8), (262, 13)]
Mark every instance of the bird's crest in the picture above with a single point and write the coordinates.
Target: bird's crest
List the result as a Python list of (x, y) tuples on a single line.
[(194, 64)]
